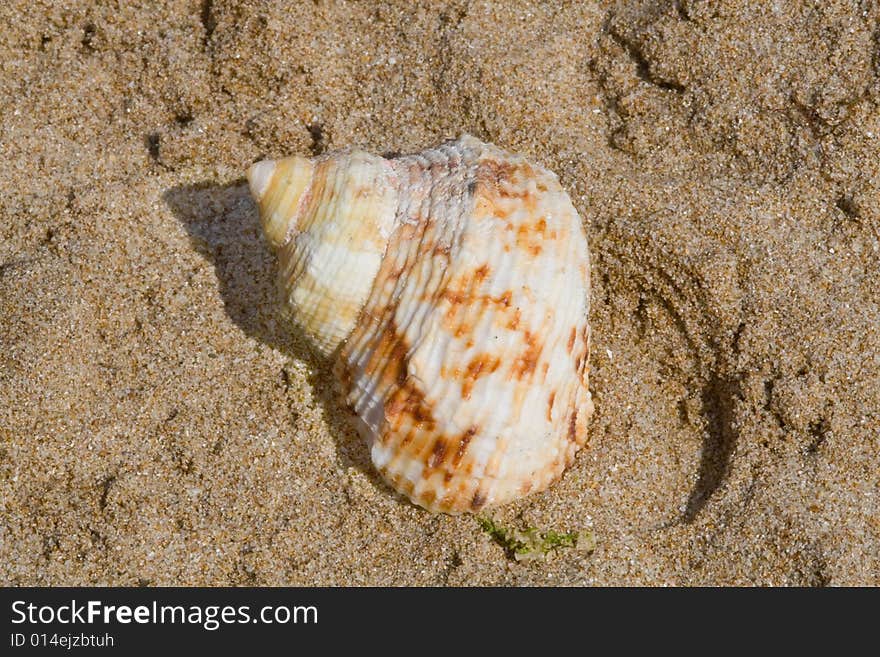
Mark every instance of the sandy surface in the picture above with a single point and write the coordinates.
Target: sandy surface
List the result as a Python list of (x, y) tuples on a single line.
[(157, 426)]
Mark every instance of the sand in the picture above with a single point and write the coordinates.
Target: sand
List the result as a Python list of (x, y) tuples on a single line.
[(158, 426)]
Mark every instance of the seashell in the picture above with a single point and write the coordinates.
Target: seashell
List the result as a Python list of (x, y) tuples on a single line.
[(452, 287)]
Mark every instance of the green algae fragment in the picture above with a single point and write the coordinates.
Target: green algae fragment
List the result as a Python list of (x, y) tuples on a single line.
[(530, 544)]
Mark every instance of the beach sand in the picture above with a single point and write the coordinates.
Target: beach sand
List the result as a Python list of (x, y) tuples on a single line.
[(158, 426)]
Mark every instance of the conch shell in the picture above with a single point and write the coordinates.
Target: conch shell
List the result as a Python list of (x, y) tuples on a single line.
[(452, 287)]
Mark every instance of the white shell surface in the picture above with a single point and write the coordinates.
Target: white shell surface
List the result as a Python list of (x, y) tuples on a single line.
[(467, 367)]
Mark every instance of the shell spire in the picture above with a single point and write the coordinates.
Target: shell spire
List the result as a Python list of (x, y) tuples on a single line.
[(329, 220), (279, 187), (452, 288)]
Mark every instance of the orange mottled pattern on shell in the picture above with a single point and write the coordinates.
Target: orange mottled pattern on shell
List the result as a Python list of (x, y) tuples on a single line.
[(468, 368)]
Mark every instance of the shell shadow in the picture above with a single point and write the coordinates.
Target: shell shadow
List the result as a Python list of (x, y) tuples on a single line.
[(223, 225)]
